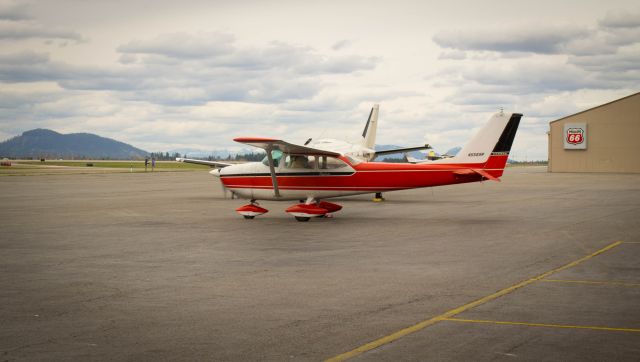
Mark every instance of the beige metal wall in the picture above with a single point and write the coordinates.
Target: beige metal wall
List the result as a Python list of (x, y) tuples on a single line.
[(613, 139)]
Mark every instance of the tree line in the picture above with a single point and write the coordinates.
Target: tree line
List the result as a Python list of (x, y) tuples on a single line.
[(166, 156)]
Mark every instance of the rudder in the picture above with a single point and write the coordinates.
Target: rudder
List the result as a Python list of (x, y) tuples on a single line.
[(495, 137), (500, 153)]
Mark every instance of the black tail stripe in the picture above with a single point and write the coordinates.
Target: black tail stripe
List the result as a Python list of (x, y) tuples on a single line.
[(506, 139)]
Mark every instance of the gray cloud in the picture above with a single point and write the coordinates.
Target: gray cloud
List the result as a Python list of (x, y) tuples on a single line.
[(18, 30), (28, 57), (342, 44), (17, 24), (217, 50), (520, 67), (28, 66), (621, 20), (529, 76), (626, 60), (544, 40), (14, 11), (615, 30), (9, 100), (182, 45), (205, 67)]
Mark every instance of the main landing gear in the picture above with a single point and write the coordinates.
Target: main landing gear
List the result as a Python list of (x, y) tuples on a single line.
[(311, 208), (302, 212)]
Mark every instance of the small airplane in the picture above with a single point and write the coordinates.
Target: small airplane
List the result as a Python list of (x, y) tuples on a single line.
[(316, 171), (431, 156)]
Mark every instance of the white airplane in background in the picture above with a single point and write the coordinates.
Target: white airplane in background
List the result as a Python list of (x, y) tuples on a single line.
[(325, 169), (431, 156), (364, 150)]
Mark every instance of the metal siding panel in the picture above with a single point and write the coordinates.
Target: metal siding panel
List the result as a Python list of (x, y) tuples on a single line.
[(614, 130)]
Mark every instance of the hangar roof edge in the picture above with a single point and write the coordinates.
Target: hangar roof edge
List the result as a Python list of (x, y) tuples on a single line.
[(592, 108)]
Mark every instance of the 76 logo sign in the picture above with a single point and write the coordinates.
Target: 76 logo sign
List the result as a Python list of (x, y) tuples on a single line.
[(575, 136)]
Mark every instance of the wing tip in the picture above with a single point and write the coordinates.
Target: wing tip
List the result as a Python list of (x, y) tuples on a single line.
[(254, 139)]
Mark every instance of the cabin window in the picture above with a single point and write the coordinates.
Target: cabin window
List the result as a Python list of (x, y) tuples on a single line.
[(328, 163), (313, 162), (298, 161), (277, 155)]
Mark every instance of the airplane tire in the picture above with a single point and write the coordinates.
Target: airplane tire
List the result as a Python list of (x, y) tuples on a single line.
[(248, 217), (302, 218)]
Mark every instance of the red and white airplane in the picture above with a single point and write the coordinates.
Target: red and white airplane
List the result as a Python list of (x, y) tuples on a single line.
[(325, 169)]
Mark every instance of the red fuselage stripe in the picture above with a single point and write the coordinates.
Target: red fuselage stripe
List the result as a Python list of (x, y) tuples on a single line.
[(372, 176)]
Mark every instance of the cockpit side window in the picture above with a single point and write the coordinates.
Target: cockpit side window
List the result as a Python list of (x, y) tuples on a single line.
[(328, 163), (298, 161), (277, 155), (313, 162)]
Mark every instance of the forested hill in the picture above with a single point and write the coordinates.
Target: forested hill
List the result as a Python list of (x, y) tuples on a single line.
[(45, 143)]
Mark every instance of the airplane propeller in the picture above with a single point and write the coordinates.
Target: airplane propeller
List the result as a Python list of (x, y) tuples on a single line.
[(225, 191)]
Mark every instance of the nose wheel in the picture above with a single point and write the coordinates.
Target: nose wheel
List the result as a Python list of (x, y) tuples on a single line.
[(251, 210)]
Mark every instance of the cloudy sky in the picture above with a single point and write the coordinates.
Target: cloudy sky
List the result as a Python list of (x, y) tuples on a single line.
[(165, 75)]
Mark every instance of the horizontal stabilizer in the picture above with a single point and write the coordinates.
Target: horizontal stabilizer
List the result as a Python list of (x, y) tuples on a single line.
[(401, 150), (471, 171)]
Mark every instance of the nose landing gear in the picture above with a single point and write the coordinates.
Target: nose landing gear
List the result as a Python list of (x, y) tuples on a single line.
[(251, 210)]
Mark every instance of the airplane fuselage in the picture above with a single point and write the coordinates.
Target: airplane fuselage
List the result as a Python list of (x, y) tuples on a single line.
[(325, 169), (350, 177)]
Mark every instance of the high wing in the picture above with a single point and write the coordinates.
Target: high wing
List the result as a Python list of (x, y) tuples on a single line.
[(270, 144), (203, 162), (286, 147)]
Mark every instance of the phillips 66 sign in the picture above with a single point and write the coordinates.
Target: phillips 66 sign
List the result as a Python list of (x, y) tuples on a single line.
[(575, 136)]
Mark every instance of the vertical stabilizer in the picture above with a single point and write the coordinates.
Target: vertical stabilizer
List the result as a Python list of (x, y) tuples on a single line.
[(369, 133), (496, 137)]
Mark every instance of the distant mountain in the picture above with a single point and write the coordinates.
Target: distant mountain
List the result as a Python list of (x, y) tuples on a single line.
[(46, 143)]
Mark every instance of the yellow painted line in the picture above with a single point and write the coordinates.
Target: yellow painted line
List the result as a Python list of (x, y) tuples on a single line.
[(597, 282), (421, 325), (635, 330)]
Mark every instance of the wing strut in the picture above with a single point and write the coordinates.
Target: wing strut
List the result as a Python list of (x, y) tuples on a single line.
[(272, 169)]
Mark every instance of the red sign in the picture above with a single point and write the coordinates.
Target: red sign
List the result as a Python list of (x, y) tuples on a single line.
[(575, 136)]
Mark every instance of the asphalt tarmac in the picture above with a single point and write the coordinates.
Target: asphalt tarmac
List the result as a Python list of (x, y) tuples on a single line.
[(539, 267)]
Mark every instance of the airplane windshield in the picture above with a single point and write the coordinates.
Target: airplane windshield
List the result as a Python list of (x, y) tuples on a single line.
[(276, 154), (354, 161)]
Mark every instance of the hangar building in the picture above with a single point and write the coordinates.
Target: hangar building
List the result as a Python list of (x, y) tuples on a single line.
[(605, 138)]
